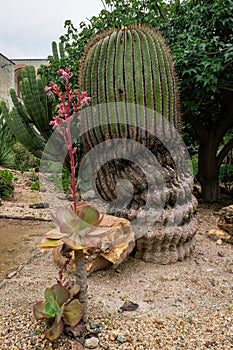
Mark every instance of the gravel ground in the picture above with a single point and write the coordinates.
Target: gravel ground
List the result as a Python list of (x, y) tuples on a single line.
[(187, 305)]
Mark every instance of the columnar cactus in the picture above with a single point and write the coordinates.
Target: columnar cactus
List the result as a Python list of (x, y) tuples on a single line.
[(31, 114), (29, 117), (133, 69)]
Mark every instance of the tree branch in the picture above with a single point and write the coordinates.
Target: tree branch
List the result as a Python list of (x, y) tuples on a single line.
[(104, 5), (162, 14), (224, 151), (198, 126)]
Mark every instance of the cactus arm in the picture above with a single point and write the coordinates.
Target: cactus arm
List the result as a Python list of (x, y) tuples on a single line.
[(32, 92), (19, 106), (29, 118), (25, 133), (27, 97), (61, 50), (45, 105), (55, 51)]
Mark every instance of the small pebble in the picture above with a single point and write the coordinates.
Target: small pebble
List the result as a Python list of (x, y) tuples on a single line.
[(91, 343)]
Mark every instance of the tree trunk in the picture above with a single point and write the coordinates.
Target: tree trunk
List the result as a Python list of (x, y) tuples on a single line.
[(208, 170)]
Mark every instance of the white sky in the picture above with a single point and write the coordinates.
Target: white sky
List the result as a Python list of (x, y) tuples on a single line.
[(28, 27)]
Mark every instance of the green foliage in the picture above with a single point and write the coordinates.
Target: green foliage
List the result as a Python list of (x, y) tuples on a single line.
[(202, 47), (24, 160), (194, 160), (6, 182), (60, 307), (35, 186), (115, 14), (226, 173)]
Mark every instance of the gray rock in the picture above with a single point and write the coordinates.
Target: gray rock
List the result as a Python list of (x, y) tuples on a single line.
[(90, 195), (121, 338), (91, 343)]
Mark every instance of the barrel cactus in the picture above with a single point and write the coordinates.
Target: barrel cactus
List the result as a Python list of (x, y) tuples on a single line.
[(130, 76)]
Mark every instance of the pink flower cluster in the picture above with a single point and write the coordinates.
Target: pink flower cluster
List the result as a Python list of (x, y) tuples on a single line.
[(70, 100)]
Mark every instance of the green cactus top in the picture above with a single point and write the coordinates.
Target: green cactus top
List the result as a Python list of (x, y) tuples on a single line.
[(131, 64)]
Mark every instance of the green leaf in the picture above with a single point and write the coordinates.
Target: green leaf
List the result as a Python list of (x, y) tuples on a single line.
[(51, 307), (40, 312), (49, 294), (89, 215)]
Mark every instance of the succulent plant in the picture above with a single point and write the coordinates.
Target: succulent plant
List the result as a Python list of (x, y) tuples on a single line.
[(6, 182), (77, 231), (60, 307)]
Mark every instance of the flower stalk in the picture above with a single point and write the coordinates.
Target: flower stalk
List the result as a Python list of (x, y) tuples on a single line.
[(70, 102)]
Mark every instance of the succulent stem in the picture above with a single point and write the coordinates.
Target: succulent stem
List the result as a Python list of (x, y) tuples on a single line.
[(81, 279)]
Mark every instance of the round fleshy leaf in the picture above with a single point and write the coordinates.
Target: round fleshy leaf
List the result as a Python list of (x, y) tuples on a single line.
[(62, 294), (73, 313), (49, 243), (39, 311), (54, 234)]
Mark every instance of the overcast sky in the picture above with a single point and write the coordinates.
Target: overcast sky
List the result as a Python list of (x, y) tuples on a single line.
[(28, 27)]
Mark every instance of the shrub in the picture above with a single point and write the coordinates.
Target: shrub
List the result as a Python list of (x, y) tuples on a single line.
[(6, 183)]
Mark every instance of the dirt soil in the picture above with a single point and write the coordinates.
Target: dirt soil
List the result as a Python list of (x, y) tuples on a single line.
[(18, 235)]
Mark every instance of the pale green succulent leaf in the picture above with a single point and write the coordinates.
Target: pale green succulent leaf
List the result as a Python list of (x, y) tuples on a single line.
[(73, 313), (66, 228), (73, 244), (39, 311), (49, 294), (54, 234)]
